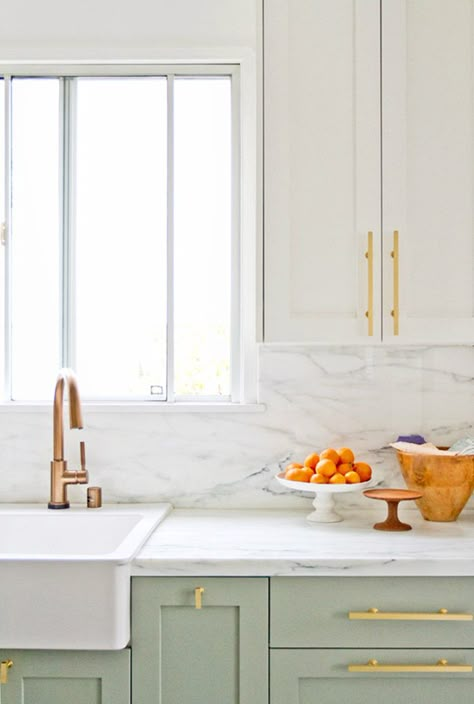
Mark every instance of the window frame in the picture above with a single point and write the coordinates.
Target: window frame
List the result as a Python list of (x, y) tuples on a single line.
[(243, 344)]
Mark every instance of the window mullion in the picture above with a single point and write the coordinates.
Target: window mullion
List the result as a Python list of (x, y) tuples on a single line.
[(170, 390), (67, 249)]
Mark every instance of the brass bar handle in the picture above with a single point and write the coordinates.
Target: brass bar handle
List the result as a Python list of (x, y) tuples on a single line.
[(441, 666), (4, 667), (198, 592), (376, 615), (82, 448), (369, 255), (395, 313)]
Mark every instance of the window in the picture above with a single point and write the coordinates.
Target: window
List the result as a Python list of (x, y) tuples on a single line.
[(121, 215)]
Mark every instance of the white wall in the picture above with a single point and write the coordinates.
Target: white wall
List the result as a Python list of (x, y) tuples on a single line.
[(49, 28), (362, 397)]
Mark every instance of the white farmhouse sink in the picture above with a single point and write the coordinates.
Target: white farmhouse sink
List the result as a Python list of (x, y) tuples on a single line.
[(65, 575)]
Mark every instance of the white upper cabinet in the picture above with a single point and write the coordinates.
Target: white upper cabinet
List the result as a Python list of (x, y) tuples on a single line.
[(428, 167), (322, 167), (369, 128)]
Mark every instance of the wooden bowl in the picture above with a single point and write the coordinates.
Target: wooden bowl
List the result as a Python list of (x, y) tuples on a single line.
[(445, 482)]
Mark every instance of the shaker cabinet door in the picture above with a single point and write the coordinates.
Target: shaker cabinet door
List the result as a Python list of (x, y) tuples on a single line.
[(369, 127), (72, 677), (199, 647), (321, 170), (428, 169)]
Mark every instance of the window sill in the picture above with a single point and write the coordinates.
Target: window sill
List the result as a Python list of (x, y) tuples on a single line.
[(138, 407)]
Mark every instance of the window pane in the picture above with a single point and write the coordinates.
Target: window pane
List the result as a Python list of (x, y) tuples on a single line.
[(35, 237), (202, 226), (121, 236)]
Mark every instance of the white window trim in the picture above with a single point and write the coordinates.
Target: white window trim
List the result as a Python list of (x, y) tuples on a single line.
[(105, 407), (246, 219)]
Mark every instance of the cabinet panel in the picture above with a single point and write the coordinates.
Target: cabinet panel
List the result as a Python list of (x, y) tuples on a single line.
[(76, 677), (369, 125), (309, 676), (428, 166), (322, 167), (45, 691), (314, 612), (216, 654)]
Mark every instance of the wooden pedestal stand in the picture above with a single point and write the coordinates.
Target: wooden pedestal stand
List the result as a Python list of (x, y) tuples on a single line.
[(393, 498)]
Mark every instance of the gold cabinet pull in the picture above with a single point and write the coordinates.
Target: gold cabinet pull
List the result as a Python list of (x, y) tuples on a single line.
[(369, 255), (198, 592), (441, 666), (395, 313), (374, 614), (4, 667)]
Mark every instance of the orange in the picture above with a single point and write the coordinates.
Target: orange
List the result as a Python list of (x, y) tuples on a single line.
[(364, 471), (318, 479), (311, 460), (293, 465), (346, 455), (344, 467), (326, 467), (330, 454), (337, 479), (308, 470), (298, 474), (352, 478)]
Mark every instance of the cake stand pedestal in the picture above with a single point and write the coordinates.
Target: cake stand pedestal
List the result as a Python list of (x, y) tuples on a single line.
[(393, 498), (324, 510)]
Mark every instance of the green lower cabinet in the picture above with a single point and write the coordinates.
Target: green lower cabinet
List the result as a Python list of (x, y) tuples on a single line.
[(183, 654), (66, 677), (321, 676)]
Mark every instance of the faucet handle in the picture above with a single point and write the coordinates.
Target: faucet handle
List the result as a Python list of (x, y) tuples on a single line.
[(82, 476), (82, 446)]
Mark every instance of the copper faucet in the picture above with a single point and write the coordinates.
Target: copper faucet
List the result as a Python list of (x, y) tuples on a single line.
[(60, 475)]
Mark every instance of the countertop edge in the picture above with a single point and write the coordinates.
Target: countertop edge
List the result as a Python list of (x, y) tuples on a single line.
[(262, 543)]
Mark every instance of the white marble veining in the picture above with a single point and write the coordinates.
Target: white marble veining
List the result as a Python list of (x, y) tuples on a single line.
[(314, 397), (270, 543)]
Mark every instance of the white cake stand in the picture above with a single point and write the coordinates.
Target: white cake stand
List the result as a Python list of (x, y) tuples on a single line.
[(324, 503)]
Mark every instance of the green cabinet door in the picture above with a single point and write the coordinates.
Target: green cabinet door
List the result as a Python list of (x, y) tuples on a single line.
[(322, 677), (216, 654), (66, 677)]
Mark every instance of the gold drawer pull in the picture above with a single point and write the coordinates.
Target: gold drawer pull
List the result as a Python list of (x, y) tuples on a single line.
[(4, 667), (376, 615), (198, 592), (441, 666), (369, 255)]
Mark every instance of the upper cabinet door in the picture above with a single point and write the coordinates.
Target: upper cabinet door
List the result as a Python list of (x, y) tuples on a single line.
[(428, 169), (322, 170)]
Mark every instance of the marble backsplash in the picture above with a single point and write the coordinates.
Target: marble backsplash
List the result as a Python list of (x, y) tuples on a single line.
[(314, 397)]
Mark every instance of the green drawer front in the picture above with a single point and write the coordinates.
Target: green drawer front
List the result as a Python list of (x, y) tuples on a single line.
[(309, 612), (322, 676)]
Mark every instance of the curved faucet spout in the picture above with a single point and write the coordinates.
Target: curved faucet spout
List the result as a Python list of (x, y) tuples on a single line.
[(60, 476), (75, 413)]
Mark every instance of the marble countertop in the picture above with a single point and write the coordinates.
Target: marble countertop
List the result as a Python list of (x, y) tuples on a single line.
[(234, 542)]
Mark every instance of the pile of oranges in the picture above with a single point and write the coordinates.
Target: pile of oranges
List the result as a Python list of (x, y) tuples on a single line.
[(330, 467)]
